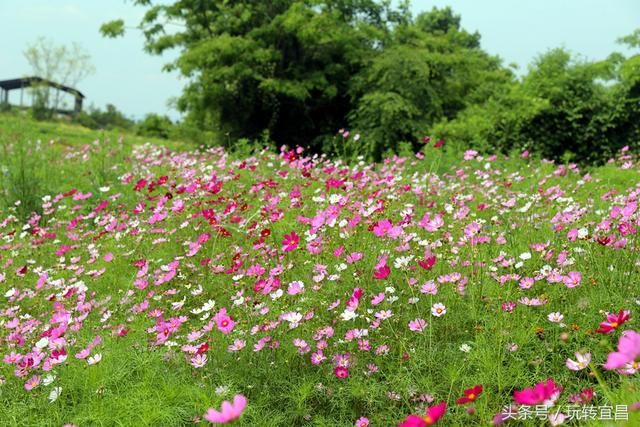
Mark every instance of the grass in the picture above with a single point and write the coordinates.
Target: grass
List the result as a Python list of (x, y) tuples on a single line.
[(142, 380)]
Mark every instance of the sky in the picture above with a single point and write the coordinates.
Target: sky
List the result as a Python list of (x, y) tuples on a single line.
[(132, 80)]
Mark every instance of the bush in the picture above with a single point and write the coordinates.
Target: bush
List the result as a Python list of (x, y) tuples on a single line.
[(587, 109), (110, 118), (156, 126)]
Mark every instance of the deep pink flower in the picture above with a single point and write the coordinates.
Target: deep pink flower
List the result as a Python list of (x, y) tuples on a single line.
[(290, 242), (613, 321), (228, 412), (381, 270), (341, 372), (432, 415), (224, 322), (544, 392)]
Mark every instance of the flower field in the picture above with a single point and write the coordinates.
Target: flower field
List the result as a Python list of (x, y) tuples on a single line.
[(446, 288)]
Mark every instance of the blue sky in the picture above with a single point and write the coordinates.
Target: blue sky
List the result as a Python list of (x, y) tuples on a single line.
[(516, 30)]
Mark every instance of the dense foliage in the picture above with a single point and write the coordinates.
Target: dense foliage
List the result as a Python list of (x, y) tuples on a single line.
[(565, 108), (299, 70), (109, 118)]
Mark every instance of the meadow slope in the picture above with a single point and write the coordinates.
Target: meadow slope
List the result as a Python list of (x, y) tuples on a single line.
[(154, 282)]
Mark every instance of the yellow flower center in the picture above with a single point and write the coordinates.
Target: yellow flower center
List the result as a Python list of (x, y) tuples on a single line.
[(427, 419), (471, 396), (614, 324)]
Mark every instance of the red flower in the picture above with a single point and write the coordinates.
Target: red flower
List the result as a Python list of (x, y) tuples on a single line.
[(432, 415), (438, 143), (613, 321), (428, 262), (470, 395), (203, 348)]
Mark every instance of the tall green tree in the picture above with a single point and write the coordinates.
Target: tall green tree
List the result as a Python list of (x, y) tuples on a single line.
[(283, 66), (301, 69)]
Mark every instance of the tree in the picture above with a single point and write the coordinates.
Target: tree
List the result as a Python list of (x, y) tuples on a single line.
[(66, 65), (432, 69), (301, 69)]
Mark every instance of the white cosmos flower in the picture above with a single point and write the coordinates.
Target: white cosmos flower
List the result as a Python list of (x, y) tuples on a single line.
[(93, 360), (348, 315), (555, 317), (582, 362), (48, 379), (438, 309), (55, 392), (42, 343)]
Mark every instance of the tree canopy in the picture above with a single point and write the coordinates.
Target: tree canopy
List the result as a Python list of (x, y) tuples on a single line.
[(299, 70)]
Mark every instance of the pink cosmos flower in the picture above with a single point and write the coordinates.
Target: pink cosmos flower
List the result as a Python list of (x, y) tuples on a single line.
[(542, 393), (432, 415), (585, 396), (198, 361), (431, 224), (32, 383), (382, 227), (290, 242), (377, 299), (417, 325), (429, 288), (627, 359), (224, 322), (572, 279), (295, 288), (228, 412), (354, 257), (362, 422)]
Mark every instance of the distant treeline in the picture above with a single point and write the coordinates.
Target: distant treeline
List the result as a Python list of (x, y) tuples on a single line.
[(298, 70), (153, 125)]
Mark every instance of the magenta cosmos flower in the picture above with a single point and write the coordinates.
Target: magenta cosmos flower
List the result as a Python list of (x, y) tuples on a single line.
[(224, 322), (627, 358), (290, 242), (341, 372), (614, 321), (432, 415), (542, 393), (228, 412)]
